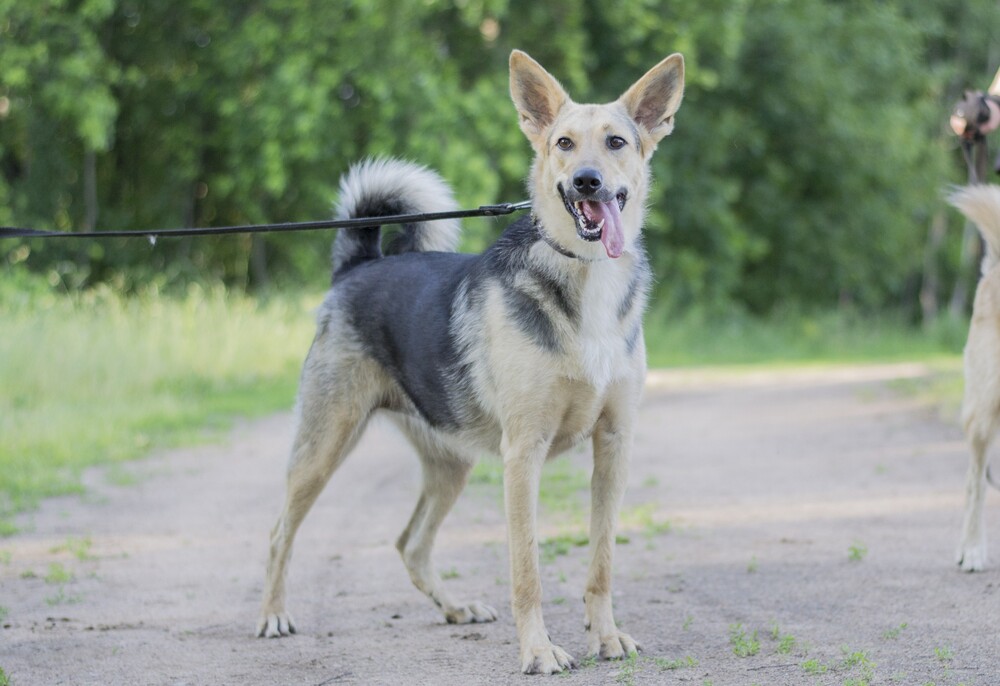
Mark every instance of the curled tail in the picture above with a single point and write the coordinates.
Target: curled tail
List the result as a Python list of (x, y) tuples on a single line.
[(981, 205), (384, 187)]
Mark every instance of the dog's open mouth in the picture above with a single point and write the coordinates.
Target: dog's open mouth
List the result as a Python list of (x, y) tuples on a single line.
[(596, 220)]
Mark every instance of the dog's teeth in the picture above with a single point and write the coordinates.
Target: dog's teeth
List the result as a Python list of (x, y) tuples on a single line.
[(600, 224)]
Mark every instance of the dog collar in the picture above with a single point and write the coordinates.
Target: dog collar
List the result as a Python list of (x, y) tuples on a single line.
[(555, 246)]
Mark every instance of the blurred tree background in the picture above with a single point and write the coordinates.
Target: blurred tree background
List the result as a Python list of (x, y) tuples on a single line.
[(806, 169)]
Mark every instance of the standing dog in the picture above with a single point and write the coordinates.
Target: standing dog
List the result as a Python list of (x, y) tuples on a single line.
[(522, 351), (981, 404)]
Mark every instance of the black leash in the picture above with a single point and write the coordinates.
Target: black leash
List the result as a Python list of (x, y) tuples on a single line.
[(353, 223)]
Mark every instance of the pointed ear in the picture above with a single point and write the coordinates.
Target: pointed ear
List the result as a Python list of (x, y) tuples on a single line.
[(537, 96), (653, 100)]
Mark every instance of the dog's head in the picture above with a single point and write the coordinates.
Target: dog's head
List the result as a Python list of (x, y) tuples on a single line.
[(591, 171)]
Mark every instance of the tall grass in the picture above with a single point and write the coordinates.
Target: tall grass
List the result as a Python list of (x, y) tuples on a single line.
[(694, 338), (95, 377)]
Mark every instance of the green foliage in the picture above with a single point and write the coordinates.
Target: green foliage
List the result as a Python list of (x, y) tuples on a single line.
[(744, 644), (807, 162)]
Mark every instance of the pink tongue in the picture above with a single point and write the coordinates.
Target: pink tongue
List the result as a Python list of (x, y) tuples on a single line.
[(611, 236)]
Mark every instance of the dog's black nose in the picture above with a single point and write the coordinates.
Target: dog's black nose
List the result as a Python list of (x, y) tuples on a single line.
[(587, 181)]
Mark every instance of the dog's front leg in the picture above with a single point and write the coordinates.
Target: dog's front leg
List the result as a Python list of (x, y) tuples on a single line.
[(612, 443), (521, 474)]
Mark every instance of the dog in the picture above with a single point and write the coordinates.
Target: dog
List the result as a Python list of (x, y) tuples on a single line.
[(522, 351), (981, 401)]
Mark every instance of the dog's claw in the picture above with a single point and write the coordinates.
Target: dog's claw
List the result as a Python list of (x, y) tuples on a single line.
[(549, 659), (972, 558), (473, 613), (275, 625), (614, 647)]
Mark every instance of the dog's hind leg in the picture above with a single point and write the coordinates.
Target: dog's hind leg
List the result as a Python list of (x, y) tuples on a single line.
[(972, 549), (333, 413), (444, 476)]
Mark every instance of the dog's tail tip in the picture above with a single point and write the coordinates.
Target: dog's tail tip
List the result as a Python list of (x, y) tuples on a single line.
[(382, 186)]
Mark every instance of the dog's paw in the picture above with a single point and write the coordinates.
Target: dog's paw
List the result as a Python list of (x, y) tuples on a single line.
[(275, 625), (611, 646), (545, 658), (473, 613), (972, 558)]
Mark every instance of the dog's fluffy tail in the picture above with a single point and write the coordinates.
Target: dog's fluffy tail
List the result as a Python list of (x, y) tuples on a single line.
[(384, 187), (981, 205)]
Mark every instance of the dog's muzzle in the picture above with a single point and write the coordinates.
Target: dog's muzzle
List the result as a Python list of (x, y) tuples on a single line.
[(596, 210)]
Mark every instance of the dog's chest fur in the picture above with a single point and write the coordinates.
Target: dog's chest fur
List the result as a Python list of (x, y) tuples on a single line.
[(612, 297)]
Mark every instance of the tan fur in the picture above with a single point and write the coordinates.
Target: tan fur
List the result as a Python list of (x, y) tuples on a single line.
[(981, 403), (532, 402)]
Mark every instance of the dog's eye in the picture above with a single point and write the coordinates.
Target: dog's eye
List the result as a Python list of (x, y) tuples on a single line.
[(616, 142), (564, 144)]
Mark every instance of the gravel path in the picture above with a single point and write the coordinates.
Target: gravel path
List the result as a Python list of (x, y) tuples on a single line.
[(818, 510)]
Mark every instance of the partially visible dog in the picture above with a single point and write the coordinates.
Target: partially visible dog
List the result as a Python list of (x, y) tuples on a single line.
[(523, 351), (981, 404)]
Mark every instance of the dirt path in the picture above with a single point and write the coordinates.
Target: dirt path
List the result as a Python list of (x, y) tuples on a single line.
[(771, 482)]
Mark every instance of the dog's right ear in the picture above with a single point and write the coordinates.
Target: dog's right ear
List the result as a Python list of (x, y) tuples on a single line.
[(537, 96)]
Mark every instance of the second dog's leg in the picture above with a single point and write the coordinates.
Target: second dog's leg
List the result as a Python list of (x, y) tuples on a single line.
[(612, 443), (522, 470), (972, 549)]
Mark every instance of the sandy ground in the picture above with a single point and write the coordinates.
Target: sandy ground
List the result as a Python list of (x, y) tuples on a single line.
[(771, 482)]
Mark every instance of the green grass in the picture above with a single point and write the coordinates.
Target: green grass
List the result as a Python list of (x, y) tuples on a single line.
[(95, 378), (694, 339), (744, 644), (58, 574)]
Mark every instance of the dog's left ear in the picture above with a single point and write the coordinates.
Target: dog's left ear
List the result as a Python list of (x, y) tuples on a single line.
[(653, 100)]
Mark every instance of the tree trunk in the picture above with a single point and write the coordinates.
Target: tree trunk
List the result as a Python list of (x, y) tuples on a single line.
[(931, 279), (90, 206)]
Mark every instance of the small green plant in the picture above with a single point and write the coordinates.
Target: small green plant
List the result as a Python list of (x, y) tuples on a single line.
[(679, 663), (553, 547), (4, 679), (3, 613), (688, 621), (812, 667), (77, 547), (643, 518), (753, 565), (450, 574), (5, 557), (60, 598), (893, 633), (58, 574), (856, 551), (858, 659), (29, 574), (629, 668), (744, 644), (786, 642), (944, 654)]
